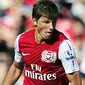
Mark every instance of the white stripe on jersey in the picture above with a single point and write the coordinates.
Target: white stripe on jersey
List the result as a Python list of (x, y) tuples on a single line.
[(17, 57)]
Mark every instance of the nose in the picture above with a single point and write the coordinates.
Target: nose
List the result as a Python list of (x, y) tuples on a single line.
[(51, 26)]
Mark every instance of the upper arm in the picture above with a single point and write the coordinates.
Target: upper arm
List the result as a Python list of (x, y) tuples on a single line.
[(18, 57), (68, 57), (19, 66), (69, 62), (16, 68), (18, 60)]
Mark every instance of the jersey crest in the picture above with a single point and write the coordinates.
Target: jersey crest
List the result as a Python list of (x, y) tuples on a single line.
[(48, 56)]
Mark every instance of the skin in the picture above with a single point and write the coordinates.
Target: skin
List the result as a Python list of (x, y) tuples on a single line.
[(13, 74), (44, 28)]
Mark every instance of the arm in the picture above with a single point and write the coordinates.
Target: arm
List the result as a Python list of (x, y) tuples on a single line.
[(74, 78), (69, 62), (16, 68), (13, 73)]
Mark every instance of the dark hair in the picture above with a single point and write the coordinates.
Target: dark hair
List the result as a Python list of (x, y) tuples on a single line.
[(45, 8)]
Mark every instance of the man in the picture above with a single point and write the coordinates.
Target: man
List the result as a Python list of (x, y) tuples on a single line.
[(46, 55)]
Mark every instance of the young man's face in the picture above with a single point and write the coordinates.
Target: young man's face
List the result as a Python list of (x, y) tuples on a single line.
[(45, 27)]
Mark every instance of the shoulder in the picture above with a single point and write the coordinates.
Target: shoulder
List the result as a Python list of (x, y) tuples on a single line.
[(26, 35), (60, 36), (66, 46)]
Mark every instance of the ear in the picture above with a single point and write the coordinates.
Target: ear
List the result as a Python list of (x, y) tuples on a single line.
[(34, 22)]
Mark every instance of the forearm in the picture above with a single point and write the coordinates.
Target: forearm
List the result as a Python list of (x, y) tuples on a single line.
[(74, 79), (75, 83), (12, 76)]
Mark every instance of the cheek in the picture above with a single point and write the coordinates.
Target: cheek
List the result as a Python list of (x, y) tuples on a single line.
[(41, 30), (41, 27)]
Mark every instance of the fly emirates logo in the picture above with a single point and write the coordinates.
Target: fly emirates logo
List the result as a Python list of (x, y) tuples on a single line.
[(37, 75)]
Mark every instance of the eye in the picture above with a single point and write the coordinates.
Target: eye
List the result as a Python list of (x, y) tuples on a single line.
[(46, 21)]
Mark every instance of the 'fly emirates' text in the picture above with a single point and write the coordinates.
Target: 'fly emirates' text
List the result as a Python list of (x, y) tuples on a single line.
[(39, 76)]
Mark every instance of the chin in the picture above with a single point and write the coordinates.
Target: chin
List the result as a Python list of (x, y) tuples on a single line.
[(47, 38)]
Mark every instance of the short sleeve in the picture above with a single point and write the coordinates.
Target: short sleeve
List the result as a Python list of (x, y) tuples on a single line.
[(18, 56), (68, 57)]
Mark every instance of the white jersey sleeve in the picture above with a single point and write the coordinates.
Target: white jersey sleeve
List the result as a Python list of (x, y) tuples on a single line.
[(68, 57), (18, 56)]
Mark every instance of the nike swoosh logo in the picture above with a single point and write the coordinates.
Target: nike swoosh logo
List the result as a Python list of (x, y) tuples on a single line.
[(25, 54)]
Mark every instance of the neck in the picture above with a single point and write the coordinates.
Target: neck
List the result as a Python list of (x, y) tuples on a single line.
[(38, 37)]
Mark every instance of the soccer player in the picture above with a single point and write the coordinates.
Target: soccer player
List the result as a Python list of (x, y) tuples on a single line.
[(45, 54)]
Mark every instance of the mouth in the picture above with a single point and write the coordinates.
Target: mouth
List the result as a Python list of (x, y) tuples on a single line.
[(49, 33)]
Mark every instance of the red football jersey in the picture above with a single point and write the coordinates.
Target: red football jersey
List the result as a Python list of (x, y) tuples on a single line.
[(41, 63)]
